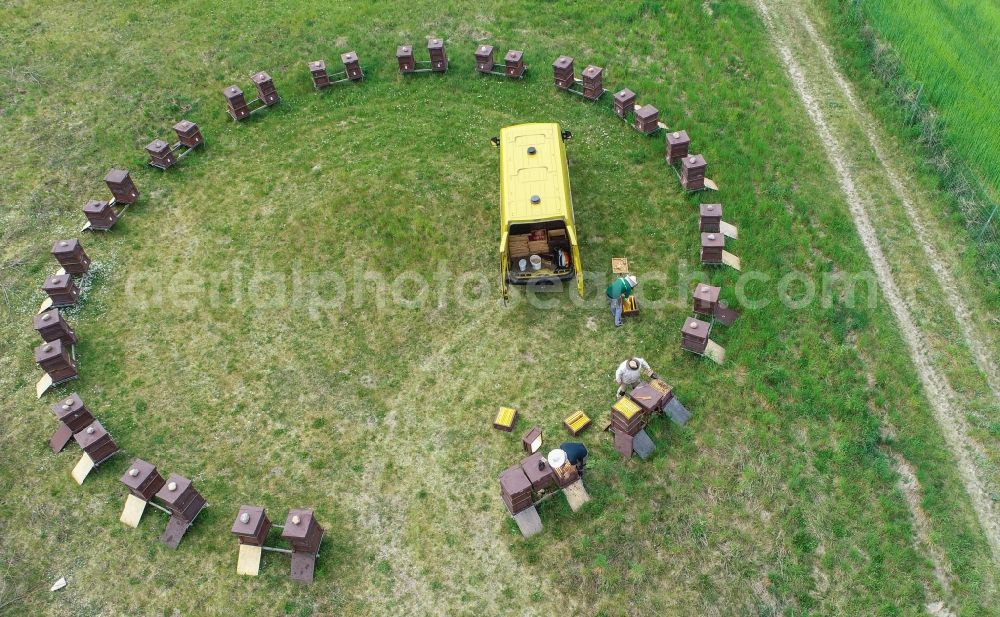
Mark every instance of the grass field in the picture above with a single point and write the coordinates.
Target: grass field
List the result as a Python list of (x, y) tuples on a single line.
[(213, 343)]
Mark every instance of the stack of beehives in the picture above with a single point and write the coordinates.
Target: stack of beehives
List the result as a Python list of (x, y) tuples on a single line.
[(562, 71)]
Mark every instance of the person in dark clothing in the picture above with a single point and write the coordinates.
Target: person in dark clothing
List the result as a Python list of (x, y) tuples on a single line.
[(576, 454)]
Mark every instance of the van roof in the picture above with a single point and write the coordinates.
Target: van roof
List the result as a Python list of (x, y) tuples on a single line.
[(540, 173)]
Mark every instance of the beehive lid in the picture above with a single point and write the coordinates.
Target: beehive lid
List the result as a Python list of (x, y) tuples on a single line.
[(67, 406), (170, 495), (713, 240), (626, 407), (696, 327), (157, 145), (513, 481), (47, 319), (297, 531), (435, 44), (710, 210), (592, 72), (707, 293), (260, 77), (65, 246), (562, 62), (624, 95), (349, 57), (404, 51), (57, 281), (116, 176), (184, 126), (95, 206), (254, 519), (536, 476), (646, 111), (532, 440), (232, 92), (514, 55), (677, 137), (88, 436), (693, 161), (138, 472), (484, 50)]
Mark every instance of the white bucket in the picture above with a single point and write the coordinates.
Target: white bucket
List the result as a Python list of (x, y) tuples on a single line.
[(522, 264), (536, 262)]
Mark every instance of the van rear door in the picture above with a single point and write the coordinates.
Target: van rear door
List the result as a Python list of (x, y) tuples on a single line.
[(577, 264), (503, 265)]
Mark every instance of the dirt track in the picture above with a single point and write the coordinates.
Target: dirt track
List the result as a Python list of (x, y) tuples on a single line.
[(812, 71)]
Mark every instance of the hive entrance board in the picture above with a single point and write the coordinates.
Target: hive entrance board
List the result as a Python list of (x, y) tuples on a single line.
[(248, 562), (60, 438), (303, 566), (677, 412), (528, 521), (576, 495), (133, 510), (83, 468), (714, 352), (725, 315), (731, 260), (729, 230), (643, 445)]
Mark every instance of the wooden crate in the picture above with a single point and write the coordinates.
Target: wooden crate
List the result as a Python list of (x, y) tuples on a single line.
[(576, 422)]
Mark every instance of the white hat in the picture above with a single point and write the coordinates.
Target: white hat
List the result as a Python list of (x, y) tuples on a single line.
[(556, 458), (631, 280)]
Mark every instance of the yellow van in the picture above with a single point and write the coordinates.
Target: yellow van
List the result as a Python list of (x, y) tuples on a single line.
[(538, 242)]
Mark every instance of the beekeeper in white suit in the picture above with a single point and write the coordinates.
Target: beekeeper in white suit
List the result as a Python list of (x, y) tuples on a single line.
[(629, 374)]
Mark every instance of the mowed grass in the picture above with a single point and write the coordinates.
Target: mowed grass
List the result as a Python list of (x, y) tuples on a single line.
[(943, 46), (200, 356)]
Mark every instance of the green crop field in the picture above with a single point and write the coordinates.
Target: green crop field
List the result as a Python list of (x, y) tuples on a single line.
[(306, 313)]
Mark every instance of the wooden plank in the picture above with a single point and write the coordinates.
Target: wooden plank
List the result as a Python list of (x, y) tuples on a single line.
[(43, 385), (623, 444), (715, 352), (248, 563), (711, 185), (176, 528), (576, 495), (132, 512), (677, 412), (60, 438), (728, 230), (303, 566), (731, 260), (46, 305), (83, 468), (643, 445), (528, 522)]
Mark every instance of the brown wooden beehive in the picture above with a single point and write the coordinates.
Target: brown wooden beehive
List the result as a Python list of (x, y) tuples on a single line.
[(712, 246), (73, 413), (51, 326), (61, 289), (302, 531), (649, 398), (317, 69), (404, 57), (515, 489), (265, 88), (71, 256), (514, 63), (160, 154), (142, 479), (678, 143), (439, 60), (532, 440), (627, 416), (624, 102), (593, 82), (352, 66), (484, 58), (693, 172), (647, 119), (180, 497), (96, 442), (710, 217), (236, 103), (251, 525), (188, 134), (694, 334), (566, 475), (121, 186), (100, 214), (706, 298), (562, 72), (538, 472)]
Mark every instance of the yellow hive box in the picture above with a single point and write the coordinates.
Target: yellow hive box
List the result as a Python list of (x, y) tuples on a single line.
[(505, 419), (576, 422), (661, 386), (626, 407)]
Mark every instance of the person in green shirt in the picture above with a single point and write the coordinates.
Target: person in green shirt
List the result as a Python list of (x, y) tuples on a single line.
[(618, 290)]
